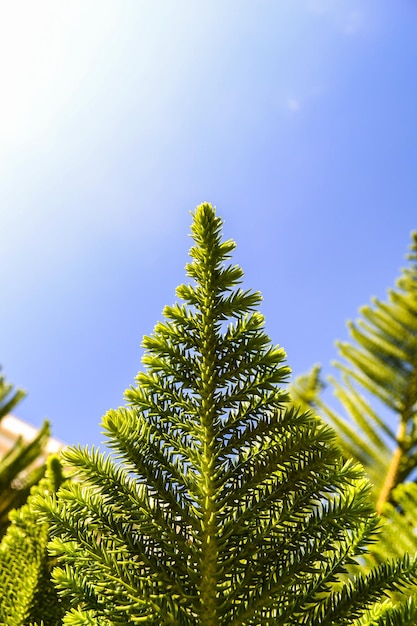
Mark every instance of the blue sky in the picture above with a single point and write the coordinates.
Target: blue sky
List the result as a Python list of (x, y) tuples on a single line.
[(297, 119)]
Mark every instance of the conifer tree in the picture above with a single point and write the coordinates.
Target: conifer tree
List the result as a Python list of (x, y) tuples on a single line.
[(219, 503), (378, 388), (16, 474), (378, 421), (27, 594)]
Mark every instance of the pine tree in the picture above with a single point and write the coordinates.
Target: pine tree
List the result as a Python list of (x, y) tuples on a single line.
[(27, 594), (219, 503), (19, 467), (378, 394), (378, 387)]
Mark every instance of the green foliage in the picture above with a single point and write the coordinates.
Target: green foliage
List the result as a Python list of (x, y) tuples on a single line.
[(378, 387), (9, 397), (27, 594), (399, 534), (219, 502), (16, 474), (378, 425), (389, 614)]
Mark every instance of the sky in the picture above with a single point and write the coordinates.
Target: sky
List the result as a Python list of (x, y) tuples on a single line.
[(297, 119)]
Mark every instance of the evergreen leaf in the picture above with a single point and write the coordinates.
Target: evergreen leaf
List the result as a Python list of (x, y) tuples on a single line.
[(219, 504)]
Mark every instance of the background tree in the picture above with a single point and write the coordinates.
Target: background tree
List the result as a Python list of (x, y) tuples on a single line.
[(27, 594), (377, 392), (220, 503), (23, 465)]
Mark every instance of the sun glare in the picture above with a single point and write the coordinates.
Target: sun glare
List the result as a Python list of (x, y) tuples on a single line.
[(44, 48)]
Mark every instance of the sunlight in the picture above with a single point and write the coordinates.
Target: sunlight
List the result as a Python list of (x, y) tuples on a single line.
[(30, 47), (45, 50)]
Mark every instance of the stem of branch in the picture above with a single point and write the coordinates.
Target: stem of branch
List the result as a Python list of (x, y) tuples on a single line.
[(391, 477)]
